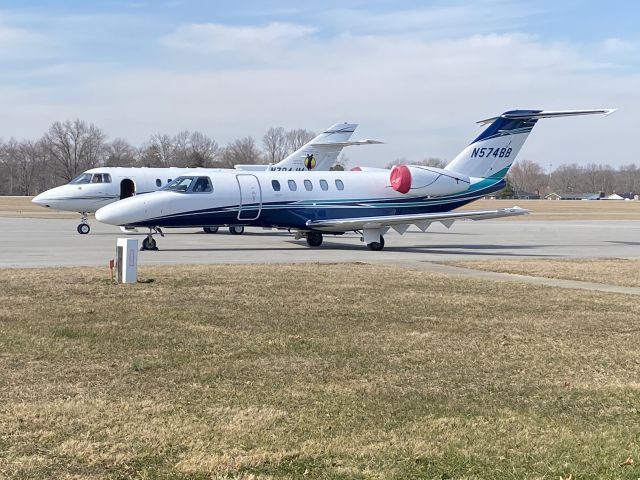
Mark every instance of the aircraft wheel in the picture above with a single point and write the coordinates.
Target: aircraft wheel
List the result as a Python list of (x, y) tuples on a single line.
[(83, 228), (376, 246), (210, 229), (149, 243), (314, 239), (236, 230)]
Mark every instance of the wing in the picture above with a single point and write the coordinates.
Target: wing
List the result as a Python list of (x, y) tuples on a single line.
[(400, 223)]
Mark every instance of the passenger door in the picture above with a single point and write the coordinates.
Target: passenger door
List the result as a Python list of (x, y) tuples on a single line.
[(250, 204)]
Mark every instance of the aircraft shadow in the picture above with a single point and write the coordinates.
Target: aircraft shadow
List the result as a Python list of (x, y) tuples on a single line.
[(469, 250)]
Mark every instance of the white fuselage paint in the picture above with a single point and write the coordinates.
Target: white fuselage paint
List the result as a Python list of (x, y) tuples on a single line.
[(252, 197)]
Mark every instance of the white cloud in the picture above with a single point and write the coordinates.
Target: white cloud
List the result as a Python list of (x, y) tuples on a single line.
[(420, 95), (19, 43), (254, 41)]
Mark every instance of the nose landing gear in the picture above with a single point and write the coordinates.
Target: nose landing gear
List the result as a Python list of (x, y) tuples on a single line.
[(84, 227), (149, 243)]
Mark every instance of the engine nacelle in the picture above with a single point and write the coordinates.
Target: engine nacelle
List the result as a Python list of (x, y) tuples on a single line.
[(418, 180)]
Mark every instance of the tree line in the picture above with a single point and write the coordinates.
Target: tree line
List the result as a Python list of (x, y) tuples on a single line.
[(28, 167), (529, 176)]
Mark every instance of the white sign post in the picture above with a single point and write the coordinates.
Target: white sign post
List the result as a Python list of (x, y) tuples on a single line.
[(127, 260)]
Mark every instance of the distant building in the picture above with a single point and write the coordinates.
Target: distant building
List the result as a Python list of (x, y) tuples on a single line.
[(574, 196), (613, 196), (522, 195)]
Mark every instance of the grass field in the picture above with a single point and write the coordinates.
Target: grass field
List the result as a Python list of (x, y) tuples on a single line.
[(610, 271), (23, 207), (313, 371), (541, 209)]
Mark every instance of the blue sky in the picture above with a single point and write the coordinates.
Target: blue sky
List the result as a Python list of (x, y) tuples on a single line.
[(415, 74)]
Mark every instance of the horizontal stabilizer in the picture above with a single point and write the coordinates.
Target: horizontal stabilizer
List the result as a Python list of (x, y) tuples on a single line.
[(349, 143), (547, 114), (420, 219)]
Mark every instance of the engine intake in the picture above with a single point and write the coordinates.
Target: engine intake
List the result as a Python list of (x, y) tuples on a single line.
[(418, 180)]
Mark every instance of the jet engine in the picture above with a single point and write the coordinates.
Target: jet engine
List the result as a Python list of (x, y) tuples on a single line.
[(419, 180)]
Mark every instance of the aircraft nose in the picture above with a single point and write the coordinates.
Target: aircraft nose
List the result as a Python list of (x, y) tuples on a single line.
[(41, 200), (110, 214)]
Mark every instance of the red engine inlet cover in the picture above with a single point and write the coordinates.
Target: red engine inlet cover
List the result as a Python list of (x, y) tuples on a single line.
[(400, 178)]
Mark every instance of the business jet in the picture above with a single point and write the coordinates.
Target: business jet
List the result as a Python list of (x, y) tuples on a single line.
[(98, 187), (317, 203)]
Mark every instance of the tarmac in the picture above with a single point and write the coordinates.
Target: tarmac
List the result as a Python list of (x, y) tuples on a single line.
[(35, 242), (29, 242)]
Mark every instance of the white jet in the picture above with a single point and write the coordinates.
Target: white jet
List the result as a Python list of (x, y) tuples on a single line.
[(98, 187), (368, 202)]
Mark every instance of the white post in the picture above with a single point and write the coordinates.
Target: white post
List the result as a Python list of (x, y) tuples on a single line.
[(127, 260)]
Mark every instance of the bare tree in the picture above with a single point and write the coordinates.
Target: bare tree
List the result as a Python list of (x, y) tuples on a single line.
[(203, 150), (121, 154), (297, 138), (528, 176), (74, 147), (566, 178), (241, 151), (276, 144)]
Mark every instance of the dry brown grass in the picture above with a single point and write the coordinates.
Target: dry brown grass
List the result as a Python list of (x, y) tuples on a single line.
[(23, 207), (565, 209), (315, 371), (610, 271)]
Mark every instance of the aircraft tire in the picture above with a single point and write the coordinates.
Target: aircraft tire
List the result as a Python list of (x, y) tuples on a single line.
[(314, 239), (236, 230), (210, 229), (149, 243), (83, 228), (376, 246)]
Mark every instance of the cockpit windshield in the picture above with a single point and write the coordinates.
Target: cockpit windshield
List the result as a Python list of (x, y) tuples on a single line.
[(190, 185), (82, 178)]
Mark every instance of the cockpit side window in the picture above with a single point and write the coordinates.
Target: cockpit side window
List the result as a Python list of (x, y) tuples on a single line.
[(106, 177), (82, 178), (97, 178), (203, 185), (180, 184)]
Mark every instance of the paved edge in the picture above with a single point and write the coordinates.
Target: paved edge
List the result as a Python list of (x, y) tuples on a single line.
[(510, 277)]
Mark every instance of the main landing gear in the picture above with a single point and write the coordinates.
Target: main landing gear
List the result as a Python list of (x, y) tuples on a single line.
[(84, 227), (376, 246), (233, 230), (314, 239), (149, 243), (373, 239)]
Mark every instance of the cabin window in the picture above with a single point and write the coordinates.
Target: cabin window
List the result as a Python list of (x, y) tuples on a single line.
[(275, 184), (203, 185), (292, 185), (82, 178), (158, 182), (308, 185), (339, 184), (324, 185), (169, 181), (106, 177)]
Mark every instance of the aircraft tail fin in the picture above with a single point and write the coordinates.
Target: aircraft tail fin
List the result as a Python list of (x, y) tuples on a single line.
[(322, 152), (493, 152)]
